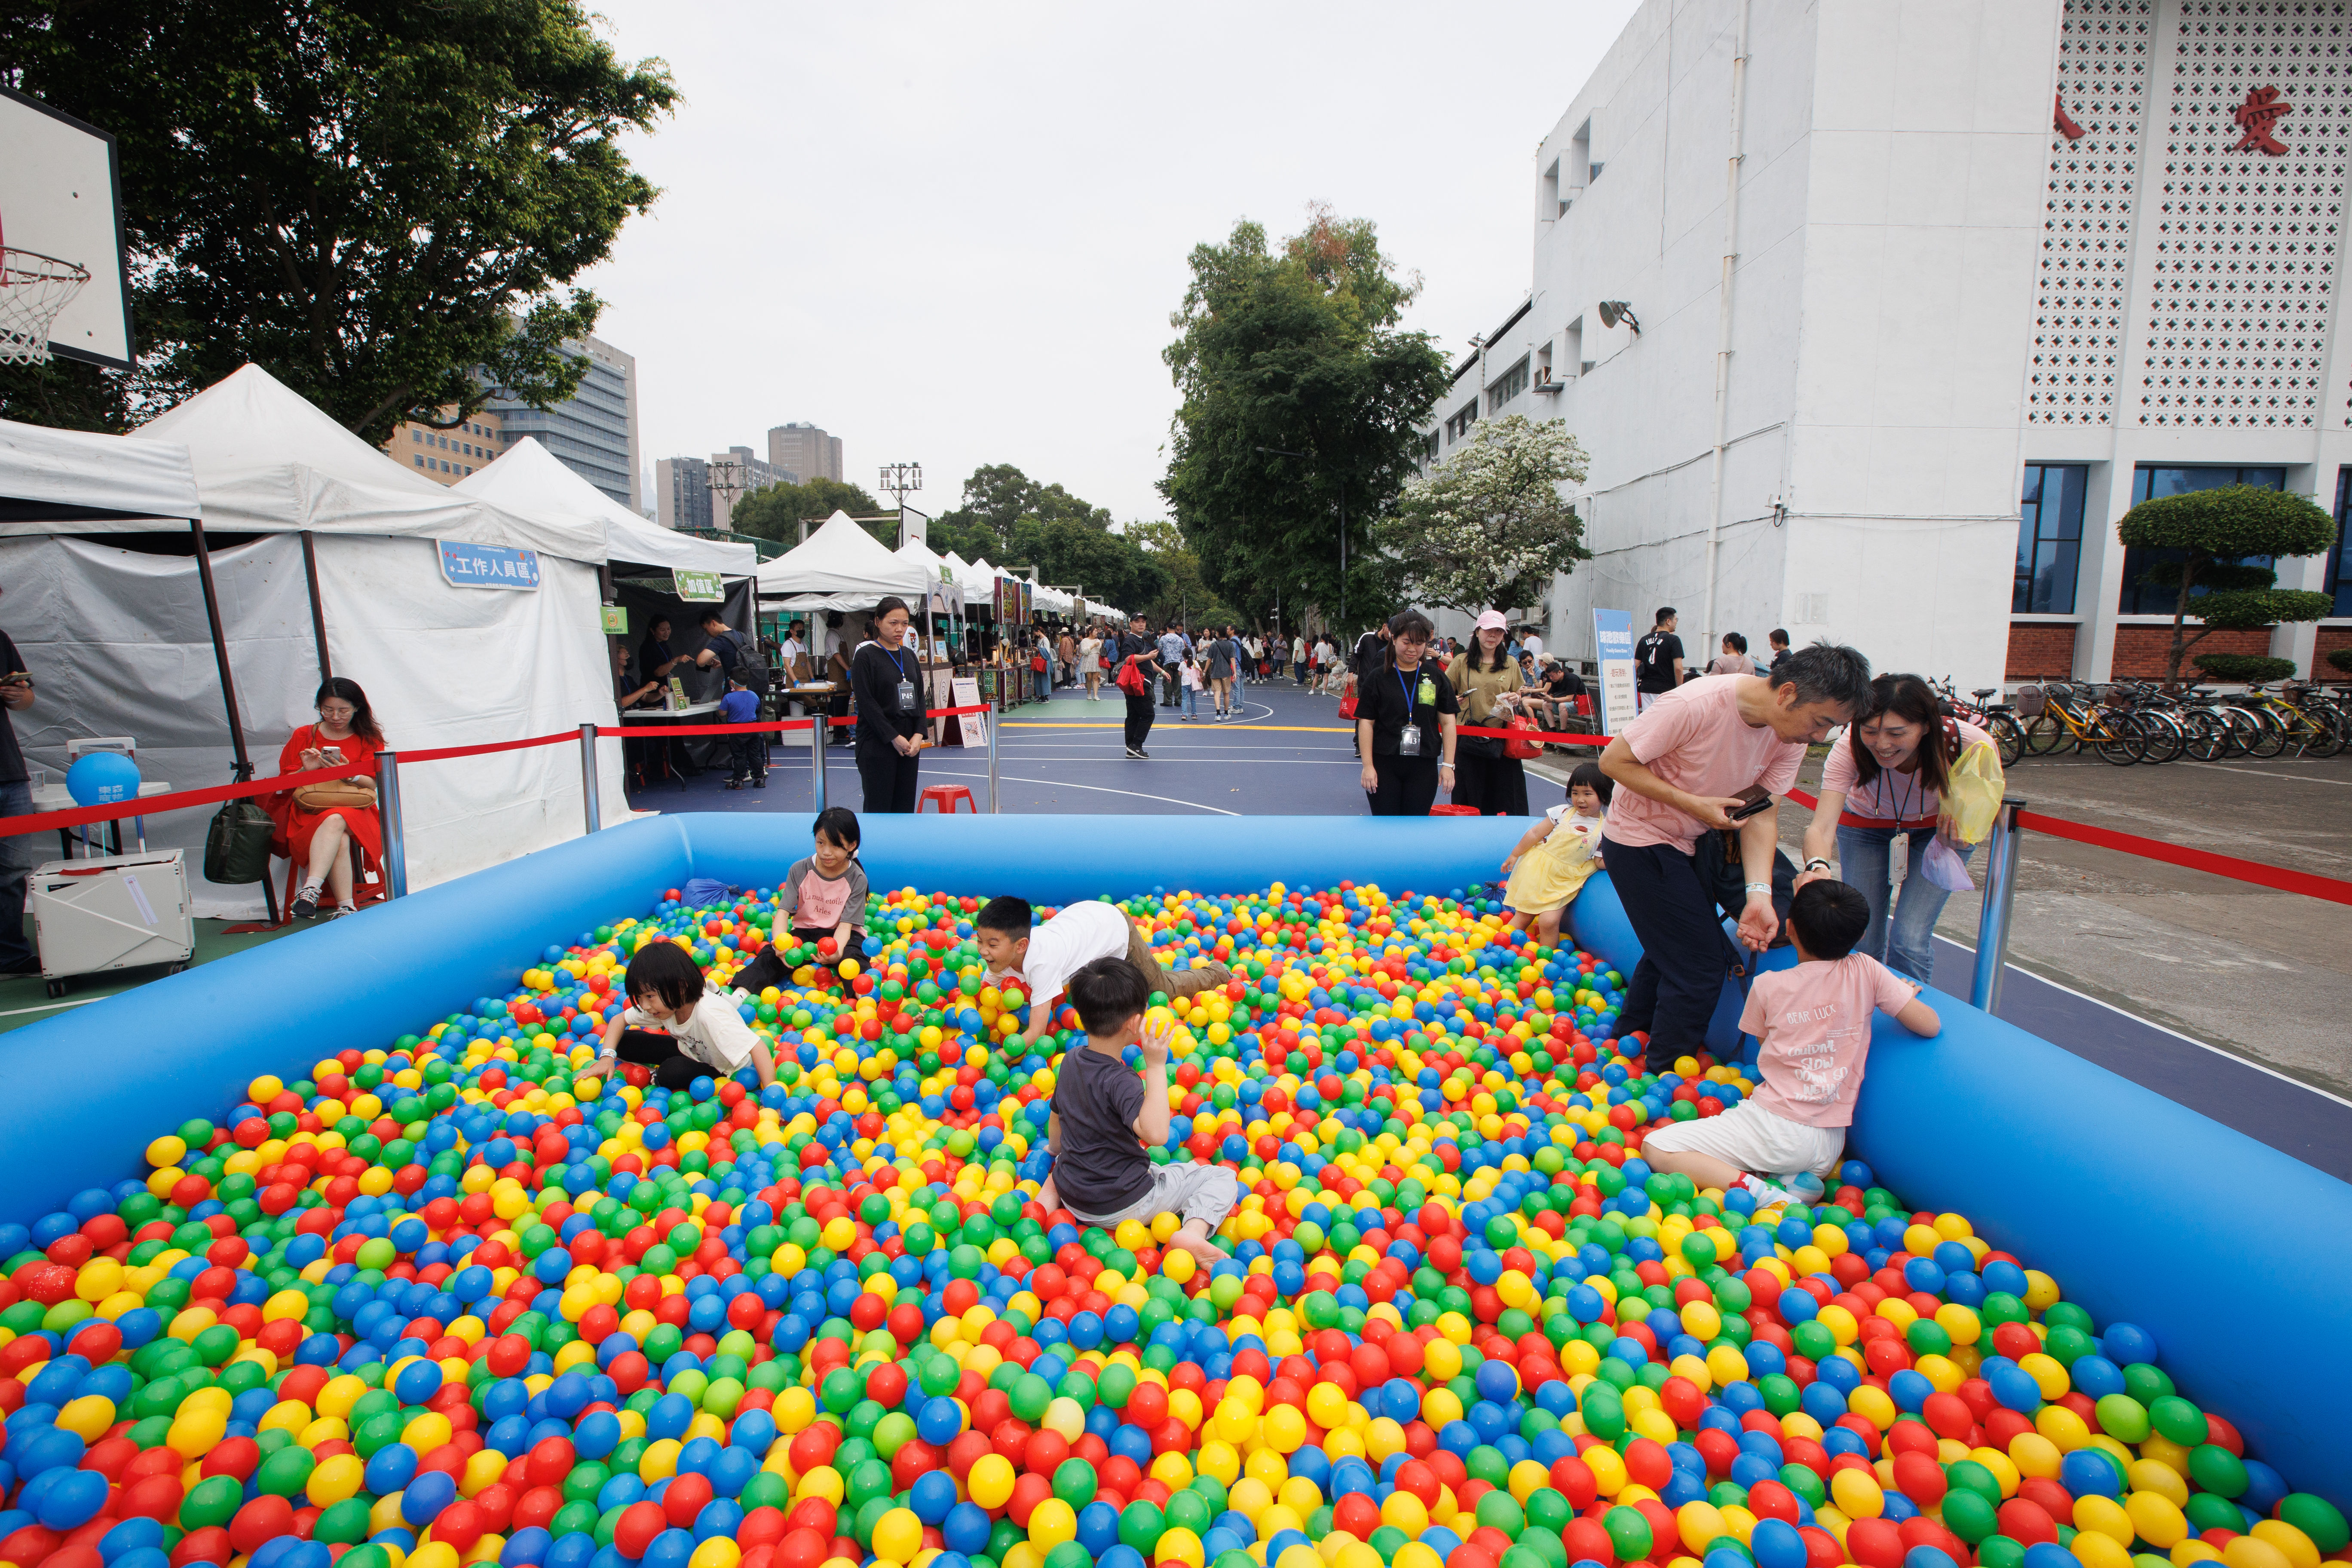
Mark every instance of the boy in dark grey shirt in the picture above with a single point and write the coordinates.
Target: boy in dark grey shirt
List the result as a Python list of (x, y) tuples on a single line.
[(1101, 1173)]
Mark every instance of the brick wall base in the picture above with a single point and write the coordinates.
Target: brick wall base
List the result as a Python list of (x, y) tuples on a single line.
[(2330, 640), (2141, 652), (2040, 651)]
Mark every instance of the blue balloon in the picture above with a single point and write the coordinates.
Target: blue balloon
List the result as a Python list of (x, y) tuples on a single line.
[(102, 778)]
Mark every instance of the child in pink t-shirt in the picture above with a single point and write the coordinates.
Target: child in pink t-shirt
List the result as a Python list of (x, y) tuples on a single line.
[(1814, 1025)]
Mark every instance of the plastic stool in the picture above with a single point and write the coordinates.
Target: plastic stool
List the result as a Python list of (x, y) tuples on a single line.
[(1454, 811), (945, 796)]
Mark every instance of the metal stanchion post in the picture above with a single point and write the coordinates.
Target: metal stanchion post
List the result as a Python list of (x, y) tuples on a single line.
[(820, 739), (1999, 904), (395, 838), (588, 777), (991, 758)]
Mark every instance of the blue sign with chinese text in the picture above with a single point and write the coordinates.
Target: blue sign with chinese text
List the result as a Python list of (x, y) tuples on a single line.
[(467, 565)]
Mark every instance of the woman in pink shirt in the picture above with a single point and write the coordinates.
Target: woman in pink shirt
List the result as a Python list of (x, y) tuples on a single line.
[(1883, 782)]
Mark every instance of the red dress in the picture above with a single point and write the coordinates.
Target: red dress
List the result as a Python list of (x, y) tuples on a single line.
[(296, 825)]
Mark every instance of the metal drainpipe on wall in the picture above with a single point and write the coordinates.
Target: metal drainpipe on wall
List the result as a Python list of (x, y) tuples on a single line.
[(1723, 321)]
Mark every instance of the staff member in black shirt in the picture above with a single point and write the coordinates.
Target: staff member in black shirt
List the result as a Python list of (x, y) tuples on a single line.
[(887, 679), (1406, 715), (1137, 645)]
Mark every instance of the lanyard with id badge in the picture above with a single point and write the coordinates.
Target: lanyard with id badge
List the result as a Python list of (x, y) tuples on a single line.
[(1408, 738), (906, 686)]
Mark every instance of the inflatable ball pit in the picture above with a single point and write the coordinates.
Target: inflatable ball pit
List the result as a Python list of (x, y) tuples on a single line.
[(2145, 1212)]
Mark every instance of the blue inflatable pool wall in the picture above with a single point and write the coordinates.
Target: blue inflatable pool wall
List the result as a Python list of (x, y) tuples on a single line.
[(2232, 1255)]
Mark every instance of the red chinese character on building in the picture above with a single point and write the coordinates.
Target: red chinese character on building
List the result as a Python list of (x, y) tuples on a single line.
[(2064, 123), (2258, 117)]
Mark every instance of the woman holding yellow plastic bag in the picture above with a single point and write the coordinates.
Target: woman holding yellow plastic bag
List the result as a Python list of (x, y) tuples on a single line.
[(1904, 770)]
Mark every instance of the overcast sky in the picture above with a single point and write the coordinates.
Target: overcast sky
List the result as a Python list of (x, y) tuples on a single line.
[(952, 235)]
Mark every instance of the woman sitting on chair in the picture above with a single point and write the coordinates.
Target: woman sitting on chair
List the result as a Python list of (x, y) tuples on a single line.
[(319, 823)]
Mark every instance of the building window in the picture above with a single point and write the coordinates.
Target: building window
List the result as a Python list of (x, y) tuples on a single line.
[(1459, 425), (2050, 539), (414, 434), (2339, 560), (2139, 599), (420, 462), (1514, 382)]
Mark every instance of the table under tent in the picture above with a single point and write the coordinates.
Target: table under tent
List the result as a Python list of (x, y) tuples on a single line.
[(323, 555), (649, 572)]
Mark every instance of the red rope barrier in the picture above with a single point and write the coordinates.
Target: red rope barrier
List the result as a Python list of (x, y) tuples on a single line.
[(443, 754), (177, 800), (2258, 872), (670, 731)]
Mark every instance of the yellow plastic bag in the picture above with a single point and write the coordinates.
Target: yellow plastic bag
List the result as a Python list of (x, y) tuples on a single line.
[(1972, 798)]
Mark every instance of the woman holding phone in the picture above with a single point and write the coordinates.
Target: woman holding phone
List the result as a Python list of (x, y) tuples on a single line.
[(319, 823)]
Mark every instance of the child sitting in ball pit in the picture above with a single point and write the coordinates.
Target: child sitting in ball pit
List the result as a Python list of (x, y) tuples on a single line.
[(824, 894), (1813, 1022), (706, 1037), (1548, 867), (1100, 1172)]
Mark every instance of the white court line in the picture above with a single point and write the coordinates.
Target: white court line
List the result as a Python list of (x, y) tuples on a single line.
[(52, 1006), (1098, 789), (2150, 1023), (2259, 774)]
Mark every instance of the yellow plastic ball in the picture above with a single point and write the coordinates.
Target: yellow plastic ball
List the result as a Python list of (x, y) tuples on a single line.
[(990, 1481)]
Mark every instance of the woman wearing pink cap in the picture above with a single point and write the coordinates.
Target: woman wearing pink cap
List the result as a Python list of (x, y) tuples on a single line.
[(1487, 683)]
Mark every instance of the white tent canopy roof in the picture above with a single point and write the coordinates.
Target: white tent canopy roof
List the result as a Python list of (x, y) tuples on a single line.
[(267, 461), (839, 567), (528, 477), (92, 481)]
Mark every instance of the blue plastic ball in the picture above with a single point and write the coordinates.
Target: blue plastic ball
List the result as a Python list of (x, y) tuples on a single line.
[(102, 778)]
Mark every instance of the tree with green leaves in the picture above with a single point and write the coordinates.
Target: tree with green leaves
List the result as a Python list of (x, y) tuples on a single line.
[(380, 203), (999, 496), (1186, 595), (2212, 532), (1301, 401), (1486, 528), (776, 512)]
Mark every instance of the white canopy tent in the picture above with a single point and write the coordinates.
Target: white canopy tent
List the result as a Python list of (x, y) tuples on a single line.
[(527, 476), (839, 567), (345, 575)]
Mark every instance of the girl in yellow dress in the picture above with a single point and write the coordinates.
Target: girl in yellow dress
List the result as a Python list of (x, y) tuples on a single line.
[(1547, 868)]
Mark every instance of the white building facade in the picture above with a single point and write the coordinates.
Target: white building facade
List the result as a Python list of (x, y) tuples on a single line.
[(1923, 295)]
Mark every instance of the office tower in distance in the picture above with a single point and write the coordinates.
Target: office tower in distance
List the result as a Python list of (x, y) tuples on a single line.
[(682, 492), (594, 433), (805, 450)]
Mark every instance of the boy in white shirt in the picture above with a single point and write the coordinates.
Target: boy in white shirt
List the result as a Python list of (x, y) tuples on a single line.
[(1041, 961), (706, 1037)]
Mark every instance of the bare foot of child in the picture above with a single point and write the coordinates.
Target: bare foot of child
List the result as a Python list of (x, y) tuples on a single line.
[(1205, 1251)]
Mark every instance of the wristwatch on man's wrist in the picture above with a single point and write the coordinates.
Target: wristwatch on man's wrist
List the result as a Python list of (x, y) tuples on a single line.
[(1817, 863)]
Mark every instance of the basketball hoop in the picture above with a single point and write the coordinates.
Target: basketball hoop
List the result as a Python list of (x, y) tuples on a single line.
[(33, 290)]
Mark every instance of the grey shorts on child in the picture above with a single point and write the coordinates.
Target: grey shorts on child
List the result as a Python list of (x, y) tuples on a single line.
[(1190, 1191)]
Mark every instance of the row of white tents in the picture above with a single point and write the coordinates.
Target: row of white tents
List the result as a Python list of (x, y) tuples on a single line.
[(272, 545), (840, 564)]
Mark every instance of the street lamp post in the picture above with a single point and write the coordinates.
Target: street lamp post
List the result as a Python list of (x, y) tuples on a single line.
[(1304, 457)]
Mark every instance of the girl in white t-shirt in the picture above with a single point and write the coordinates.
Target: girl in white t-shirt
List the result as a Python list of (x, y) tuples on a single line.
[(1548, 867), (677, 1026), (1195, 676)]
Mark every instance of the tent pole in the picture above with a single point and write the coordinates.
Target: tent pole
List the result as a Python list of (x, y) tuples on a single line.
[(220, 648), (318, 613)]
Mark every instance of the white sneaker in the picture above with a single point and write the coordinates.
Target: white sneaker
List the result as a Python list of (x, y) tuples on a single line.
[(1765, 1193), (1804, 1186)]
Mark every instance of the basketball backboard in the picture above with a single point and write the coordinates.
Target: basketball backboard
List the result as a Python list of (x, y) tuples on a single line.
[(60, 198)]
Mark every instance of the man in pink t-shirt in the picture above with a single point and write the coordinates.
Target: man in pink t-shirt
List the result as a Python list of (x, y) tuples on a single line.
[(1813, 1024), (1680, 768)]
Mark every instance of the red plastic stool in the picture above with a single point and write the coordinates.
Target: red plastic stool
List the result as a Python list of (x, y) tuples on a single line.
[(945, 796), (1454, 811)]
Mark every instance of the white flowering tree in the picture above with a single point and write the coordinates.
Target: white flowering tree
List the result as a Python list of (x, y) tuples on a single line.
[(1487, 527)]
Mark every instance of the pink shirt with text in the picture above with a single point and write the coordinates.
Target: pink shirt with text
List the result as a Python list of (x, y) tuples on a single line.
[(1694, 739), (1814, 1023)]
